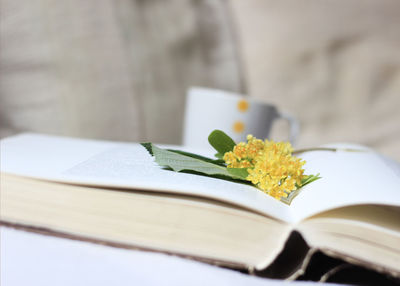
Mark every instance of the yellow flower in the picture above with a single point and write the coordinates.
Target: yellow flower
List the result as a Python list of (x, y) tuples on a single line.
[(270, 165), (243, 154)]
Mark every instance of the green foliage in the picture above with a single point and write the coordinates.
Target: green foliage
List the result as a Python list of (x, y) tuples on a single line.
[(238, 172), (148, 147), (221, 142), (309, 179), (183, 161), (199, 157)]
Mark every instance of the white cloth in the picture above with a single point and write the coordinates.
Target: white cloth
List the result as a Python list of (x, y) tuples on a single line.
[(33, 259)]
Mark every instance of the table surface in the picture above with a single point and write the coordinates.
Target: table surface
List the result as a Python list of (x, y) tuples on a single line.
[(34, 259)]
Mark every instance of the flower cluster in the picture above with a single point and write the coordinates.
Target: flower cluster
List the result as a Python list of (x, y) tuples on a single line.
[(270, 165)]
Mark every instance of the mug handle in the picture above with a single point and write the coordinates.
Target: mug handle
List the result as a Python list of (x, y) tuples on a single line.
[(294, 126)]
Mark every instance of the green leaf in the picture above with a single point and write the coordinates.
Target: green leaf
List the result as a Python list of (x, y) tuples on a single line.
[(309, 179), (238, 172), (219, 156), (221, 142), (183, 161), (147, 145), (218, 162)]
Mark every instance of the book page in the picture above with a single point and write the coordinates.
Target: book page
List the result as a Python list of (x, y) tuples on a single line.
[(348, 178), (122, 165)]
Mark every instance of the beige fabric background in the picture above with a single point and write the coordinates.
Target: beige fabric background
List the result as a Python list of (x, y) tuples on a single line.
[(120, 69), (334, 64), (110, 69)]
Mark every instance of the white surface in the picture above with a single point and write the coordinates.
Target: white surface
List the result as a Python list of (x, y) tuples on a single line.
[(33, 259)]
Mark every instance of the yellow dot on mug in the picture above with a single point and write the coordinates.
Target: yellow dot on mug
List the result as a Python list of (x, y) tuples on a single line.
[(243, 105), (238, 126)]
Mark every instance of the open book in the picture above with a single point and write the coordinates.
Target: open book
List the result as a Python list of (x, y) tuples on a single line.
[(114, 193)]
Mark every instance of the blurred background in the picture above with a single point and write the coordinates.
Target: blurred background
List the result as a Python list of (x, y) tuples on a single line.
[(120, 69)]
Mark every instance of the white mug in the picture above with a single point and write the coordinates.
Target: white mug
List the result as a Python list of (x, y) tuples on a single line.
[(236, 115)]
